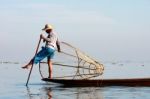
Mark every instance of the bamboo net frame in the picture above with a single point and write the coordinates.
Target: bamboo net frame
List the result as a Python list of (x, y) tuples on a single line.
[(86, 67)]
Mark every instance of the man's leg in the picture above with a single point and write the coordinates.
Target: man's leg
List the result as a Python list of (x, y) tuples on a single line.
[(40, 56), (50, 68)]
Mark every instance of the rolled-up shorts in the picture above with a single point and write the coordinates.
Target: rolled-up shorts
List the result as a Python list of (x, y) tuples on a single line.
[(43, 53)]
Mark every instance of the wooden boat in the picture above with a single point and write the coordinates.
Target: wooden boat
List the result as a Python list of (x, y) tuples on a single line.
[(101, 82), (85, 69)]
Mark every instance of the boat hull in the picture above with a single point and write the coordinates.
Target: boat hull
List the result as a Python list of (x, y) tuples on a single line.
[(101, 82)]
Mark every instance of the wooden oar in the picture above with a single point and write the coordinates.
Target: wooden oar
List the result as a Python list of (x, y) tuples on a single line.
[(32, 62)]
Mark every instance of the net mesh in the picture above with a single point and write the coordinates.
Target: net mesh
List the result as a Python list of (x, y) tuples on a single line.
[(72, 63)]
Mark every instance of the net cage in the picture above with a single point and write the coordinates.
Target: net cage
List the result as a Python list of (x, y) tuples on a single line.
[(71, 63)]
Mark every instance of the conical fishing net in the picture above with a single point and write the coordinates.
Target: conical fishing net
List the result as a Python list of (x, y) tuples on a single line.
[(71, 63)]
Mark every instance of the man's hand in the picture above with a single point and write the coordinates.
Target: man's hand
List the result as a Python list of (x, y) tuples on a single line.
[(41, 36), (59, 50), (43, 40)]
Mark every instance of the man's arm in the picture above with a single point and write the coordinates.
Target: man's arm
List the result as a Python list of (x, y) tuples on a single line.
[(58, 46)]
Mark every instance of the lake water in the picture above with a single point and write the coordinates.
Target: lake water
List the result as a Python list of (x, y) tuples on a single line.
[(13, 80)]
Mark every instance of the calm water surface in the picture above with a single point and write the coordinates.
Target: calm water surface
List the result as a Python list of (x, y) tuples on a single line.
[(13, 80)]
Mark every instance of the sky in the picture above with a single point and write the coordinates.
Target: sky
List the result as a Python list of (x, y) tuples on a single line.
[(108, 30)]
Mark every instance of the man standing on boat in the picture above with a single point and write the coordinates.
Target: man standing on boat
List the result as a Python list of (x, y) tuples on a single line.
[(51, 41)]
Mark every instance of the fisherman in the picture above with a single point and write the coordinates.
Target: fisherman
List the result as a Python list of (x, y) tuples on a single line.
[(51, 41)]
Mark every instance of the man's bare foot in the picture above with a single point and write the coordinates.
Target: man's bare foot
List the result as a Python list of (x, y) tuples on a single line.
[(26, 66), (49, 77)]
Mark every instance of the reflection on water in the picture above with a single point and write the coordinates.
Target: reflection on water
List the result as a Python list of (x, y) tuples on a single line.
[(47, 92), (65, 93), (13, 79)]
